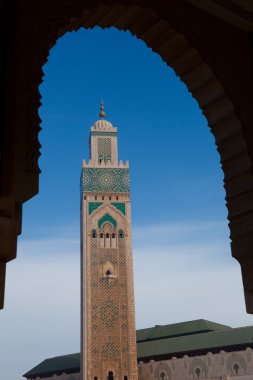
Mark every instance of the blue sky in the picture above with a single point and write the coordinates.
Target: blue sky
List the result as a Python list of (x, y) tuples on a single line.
[(182, 262)]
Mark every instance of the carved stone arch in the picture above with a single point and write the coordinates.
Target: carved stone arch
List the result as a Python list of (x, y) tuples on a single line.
[(167, 33), (107, 227), (108, 266), (112, 211), (236, 364), (162, 368), (198, 369)]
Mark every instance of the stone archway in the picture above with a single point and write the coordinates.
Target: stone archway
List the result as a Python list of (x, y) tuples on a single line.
[(170, 31)]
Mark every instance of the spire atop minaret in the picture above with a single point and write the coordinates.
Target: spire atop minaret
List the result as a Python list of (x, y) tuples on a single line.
[(102, 110)]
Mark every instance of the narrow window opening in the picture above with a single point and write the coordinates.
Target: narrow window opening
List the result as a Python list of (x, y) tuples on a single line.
[(84, 198), (110, 198), (110, 375), (121, 235), (162, 375), (236, 368), (94, 234), (125, 378), (95, 378), (113, 235), (198, 371), (107, 236), (117, 198), (103, 198), (101, 235), (96, 198), (108, 273)]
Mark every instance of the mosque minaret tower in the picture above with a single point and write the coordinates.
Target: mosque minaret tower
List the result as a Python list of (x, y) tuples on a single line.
[(108, 345)]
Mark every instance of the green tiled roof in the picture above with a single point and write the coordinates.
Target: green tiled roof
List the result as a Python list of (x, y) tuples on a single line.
[(163, 341), (179, 329), (58, 364), (196, 342)]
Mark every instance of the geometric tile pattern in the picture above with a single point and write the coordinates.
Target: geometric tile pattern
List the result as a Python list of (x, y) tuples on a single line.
[(109, 306), (109, 350), (103, 133), (107, 180), (109, 313), (104, 148)]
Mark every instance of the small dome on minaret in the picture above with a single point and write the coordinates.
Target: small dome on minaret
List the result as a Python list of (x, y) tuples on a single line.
[(102, 124)]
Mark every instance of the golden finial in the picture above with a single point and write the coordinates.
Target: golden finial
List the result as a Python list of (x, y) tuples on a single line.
[(102, 110)]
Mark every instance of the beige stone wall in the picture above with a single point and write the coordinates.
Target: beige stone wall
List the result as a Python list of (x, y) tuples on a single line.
[(222, 366), (237, 365)]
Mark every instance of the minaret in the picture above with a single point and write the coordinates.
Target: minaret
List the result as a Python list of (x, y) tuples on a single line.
[(108, 345)]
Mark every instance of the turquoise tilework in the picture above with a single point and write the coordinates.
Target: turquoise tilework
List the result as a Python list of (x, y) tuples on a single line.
[(105, 180)]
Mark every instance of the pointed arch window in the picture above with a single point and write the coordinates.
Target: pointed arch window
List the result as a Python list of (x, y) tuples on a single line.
[(121, 234), (94, 234)]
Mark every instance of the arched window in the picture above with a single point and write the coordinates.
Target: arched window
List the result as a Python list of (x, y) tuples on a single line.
[(162, 376), (121, 234), (108, 273), (113, 235), (125, 378), (95, 378), (110, 375), (107, 235), (100, 159), (94, 234), (101, 235), (198, 372), (236, 368)]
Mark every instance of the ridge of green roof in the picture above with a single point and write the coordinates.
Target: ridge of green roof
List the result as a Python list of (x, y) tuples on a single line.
[(197, 326)]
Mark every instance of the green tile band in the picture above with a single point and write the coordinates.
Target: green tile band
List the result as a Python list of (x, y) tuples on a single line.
[(105, 180), (93, 133)]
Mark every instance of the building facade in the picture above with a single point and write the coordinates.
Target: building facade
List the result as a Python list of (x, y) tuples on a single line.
[(108, 344), (190, 350)]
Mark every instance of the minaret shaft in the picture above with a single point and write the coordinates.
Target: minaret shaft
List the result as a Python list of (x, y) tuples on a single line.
[(108, 346)]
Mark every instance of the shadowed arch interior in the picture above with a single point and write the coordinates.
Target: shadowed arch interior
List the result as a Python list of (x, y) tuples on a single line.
[(178, 48)]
